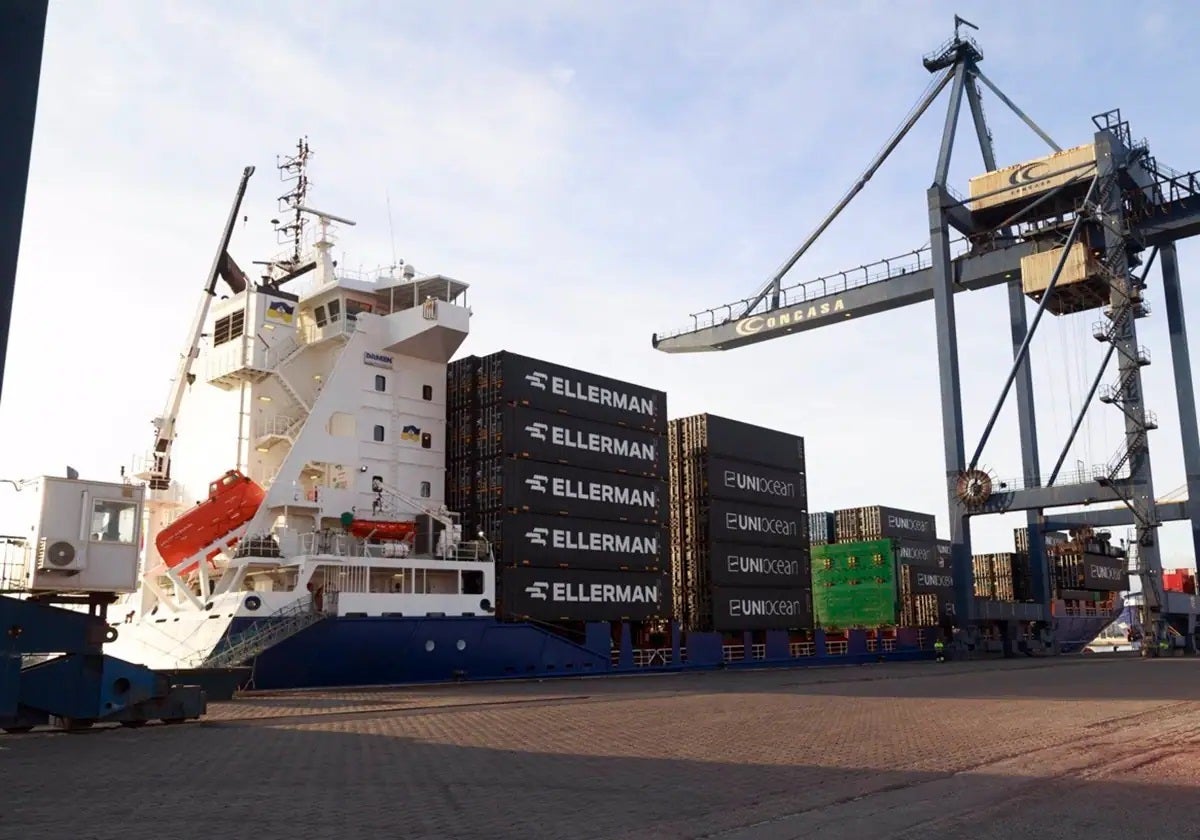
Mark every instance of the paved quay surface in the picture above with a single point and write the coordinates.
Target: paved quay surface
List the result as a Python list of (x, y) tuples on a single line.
[(1096, 747)]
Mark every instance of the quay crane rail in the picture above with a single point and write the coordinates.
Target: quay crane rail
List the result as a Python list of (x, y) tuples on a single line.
[(1115, 200)]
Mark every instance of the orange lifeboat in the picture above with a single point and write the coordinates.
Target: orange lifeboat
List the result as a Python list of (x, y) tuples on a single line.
[(233, 499), (383, 530)]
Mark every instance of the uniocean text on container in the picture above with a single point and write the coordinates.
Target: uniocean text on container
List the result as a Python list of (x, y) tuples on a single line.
[(755, 484)]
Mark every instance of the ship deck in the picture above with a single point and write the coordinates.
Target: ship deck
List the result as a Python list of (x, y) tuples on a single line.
[(1093, 746)]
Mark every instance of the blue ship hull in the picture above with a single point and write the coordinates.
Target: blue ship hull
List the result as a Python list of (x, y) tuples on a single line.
[(364, 651)]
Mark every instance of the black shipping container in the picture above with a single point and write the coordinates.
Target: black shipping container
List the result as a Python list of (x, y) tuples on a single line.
[(556, 541), (561, 595), (762, 566), (721, 437), (1021, 538), (930, 580), (756, 484), (1107, 574), (754, 524), (737, 608), (570, 491), (916, 553), (510, 378), (942, 547), (558, 438), (877, 522), (822, 528)]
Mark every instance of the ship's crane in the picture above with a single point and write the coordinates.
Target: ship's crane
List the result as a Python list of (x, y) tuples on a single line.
[(1102, 203), (158, 473)]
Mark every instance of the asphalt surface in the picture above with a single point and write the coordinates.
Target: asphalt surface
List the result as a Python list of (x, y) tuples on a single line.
[(1090, 747)]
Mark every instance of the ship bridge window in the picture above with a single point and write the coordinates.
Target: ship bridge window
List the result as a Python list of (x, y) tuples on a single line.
[(113, 521), (354, 307), (426, 489), (427, 392), (378, 434), (426, 440), (319, 316), (335, 310), (228, 328)]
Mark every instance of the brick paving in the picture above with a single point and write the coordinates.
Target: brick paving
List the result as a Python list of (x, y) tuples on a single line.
[(1091, 747)]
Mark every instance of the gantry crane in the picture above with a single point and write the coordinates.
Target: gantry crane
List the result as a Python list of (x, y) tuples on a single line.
[(1100, 206)]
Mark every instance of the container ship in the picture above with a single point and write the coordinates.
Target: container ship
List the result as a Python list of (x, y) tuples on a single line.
[(394, 514)]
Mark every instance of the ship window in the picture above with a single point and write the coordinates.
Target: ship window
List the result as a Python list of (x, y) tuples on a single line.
[(472, 583), (354, 307), (380, 382), (335, 309), (228, 328), (426, 489), (319, 315), (426, 440), (113, 521), (379, 434), (427, 392)]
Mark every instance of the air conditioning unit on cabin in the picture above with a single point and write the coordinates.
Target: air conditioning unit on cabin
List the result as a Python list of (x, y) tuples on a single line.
[(59, 555)]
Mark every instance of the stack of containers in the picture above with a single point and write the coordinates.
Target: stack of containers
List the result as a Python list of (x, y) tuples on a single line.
[(567, 474), (923, 574), (822, 528), (1083, 566), (739, 528)]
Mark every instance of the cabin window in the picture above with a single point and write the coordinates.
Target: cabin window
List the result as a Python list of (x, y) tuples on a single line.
[(335, 309), (380, 382), (427, 393), (319, 315), (472, 583), (379, 434), (426, 489), (113, 521), (426, 440), (228, 328), (354, 307)]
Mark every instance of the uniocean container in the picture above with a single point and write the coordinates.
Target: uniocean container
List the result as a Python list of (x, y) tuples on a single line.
[(530, 539), (878, 522), (562, 439), (733, 564), (510, 378), (572, 595), (1023, 182), (854, 585), (737, 522), (739, 481), (713, 436), (742, 608)]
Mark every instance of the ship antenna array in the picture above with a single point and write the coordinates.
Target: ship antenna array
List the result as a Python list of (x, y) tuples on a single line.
[(293, 169)]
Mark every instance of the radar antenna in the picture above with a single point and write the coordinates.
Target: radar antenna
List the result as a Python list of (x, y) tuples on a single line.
[(294, 168)]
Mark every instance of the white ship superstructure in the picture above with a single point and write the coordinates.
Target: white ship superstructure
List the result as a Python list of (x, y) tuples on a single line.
[(315, 405)]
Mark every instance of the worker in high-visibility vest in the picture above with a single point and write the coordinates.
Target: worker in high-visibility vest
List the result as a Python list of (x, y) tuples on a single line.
[(1164, 646), (939, 649)]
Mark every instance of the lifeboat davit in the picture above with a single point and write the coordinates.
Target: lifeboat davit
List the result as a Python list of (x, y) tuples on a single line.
[(381, 530), (232, 501)]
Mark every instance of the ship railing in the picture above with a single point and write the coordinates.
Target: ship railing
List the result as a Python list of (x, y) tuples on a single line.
[(888, 645), (733, 653), (274, 424), (14, 564), (872, 645), (837, 647), (800, 649), (335, 327)]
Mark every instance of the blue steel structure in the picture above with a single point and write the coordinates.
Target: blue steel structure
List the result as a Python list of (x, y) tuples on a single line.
[(82, 685), (1132, 204)]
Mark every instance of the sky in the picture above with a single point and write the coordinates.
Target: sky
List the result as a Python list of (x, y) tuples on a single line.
[(596, 173)]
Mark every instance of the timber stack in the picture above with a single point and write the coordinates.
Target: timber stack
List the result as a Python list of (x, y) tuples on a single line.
[(739, 527), (563, 472)]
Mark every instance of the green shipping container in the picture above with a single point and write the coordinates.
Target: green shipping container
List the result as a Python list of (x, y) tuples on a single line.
[(854, 585)]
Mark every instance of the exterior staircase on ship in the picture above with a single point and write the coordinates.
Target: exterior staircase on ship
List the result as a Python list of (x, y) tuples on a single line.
[(268, 631)]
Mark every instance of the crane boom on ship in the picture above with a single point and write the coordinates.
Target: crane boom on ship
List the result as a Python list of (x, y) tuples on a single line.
[(158, 475)]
